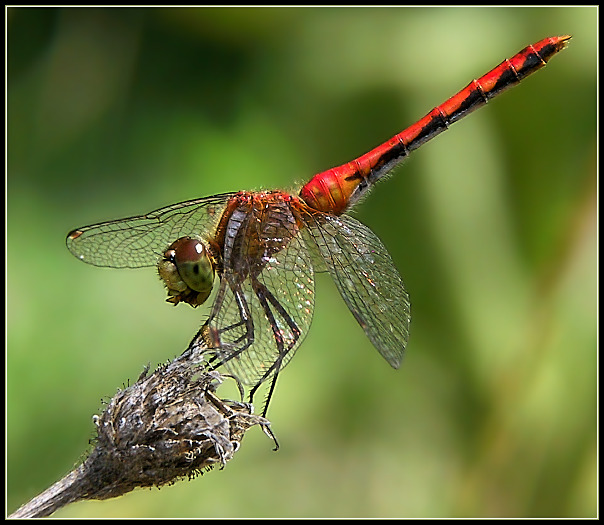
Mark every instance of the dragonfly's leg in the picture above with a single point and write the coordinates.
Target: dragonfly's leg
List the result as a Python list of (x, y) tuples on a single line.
[(213, 337), (245, 320), (265, 297), (218, 332), (204, 335), (269, 395)]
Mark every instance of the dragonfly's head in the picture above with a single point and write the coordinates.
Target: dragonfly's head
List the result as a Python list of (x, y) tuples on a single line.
[(187, 268)]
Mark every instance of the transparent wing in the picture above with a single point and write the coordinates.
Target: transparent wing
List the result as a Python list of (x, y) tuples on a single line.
[(367, 279), (264, 306), (136, 242)]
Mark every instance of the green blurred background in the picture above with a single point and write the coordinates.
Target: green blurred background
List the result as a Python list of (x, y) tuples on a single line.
[(115, 112)]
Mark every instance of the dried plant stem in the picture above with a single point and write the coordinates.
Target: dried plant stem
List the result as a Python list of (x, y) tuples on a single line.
[(167, 426)]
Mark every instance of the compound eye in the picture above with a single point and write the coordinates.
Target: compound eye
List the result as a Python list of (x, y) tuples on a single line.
[(187, 269), (194, 263), (169, 273)]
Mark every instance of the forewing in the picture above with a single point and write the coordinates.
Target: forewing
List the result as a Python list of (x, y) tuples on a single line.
[(368, 281), (136, 242)]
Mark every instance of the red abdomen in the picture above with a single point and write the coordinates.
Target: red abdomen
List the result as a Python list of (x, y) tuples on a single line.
[(338, 188)]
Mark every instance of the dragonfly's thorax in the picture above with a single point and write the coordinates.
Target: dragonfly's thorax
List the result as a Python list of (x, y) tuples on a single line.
[(254, 227)]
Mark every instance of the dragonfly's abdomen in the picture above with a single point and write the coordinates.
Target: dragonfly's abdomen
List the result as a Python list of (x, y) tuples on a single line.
[(338, 188)]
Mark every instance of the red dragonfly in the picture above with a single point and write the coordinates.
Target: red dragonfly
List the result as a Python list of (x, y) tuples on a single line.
[(265, 247)]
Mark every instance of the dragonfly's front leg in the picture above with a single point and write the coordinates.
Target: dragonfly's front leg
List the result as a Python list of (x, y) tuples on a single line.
[(215, 337)]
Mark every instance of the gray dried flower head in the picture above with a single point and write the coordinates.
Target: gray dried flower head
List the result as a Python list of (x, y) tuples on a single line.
[(167, 426)]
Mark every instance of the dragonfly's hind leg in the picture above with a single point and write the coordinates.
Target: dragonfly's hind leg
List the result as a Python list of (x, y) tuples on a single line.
[(269, 395), (265, 297)]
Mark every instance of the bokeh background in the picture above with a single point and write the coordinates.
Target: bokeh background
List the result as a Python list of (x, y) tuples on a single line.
[(118, 111)]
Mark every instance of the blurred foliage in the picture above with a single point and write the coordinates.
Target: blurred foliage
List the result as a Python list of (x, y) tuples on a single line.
[(117, 111)]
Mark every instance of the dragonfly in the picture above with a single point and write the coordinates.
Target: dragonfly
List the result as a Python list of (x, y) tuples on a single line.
[(255, 253)]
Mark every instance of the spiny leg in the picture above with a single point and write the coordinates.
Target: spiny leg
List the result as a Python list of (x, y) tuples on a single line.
[(245, 318), (212, 336), (265, 296)]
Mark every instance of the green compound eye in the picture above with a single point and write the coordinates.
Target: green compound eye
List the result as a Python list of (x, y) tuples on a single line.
[(187, 269), (194, 264)]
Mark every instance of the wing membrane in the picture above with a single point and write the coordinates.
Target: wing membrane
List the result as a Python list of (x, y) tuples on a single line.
[(139, 241), (368, 281)]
